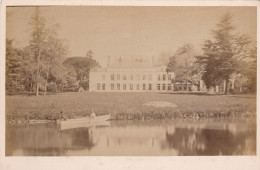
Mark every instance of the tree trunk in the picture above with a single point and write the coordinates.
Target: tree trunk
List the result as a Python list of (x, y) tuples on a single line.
[(186, 84), (37, 89), (46, 80), (45, 87), (37, 73), (31, 87), (227, 86)]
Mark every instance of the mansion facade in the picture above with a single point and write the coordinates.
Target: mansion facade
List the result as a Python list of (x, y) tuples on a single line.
[(134, 75)]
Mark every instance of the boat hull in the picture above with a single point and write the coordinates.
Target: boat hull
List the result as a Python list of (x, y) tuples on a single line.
[(85, 122)]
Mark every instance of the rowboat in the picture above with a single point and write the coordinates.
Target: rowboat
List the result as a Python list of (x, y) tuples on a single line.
[(85, 122)]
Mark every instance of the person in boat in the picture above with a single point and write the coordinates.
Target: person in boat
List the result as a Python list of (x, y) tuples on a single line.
[(92, 115), (62, 116)]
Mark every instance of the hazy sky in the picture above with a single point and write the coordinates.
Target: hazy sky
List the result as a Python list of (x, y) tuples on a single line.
[(129, 31)]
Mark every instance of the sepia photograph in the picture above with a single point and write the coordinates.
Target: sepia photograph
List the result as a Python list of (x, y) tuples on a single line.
[(131, 81)]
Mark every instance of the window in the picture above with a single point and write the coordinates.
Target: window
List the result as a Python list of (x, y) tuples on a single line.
[(164, 77), (169, 87), (137, 77), (112, 86), (112, 77), (103, 86), (159, 77), (143, 86), (118, 76), (169, 76), (150, 86), (137, 87), (124, 77), (131, 87), (158, 87), (98, 86), (124, 86), (118, 86), (163, 87), (103, 77), (131, 77), (144, 77), (150, 77)]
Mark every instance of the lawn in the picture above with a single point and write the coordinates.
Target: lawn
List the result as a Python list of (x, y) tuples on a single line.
[(129, 105)]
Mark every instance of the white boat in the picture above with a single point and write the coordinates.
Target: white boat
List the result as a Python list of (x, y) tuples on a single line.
[(85, 122)]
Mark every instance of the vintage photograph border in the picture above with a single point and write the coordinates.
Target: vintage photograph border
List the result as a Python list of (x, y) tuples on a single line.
[(125, 162)]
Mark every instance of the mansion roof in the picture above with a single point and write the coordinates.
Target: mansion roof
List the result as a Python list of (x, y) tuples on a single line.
[(131, 64)]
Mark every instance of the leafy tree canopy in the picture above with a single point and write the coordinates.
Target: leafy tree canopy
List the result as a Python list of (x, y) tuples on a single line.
[(81, 65)]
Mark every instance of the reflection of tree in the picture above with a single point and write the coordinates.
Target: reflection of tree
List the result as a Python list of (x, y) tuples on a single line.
[(185, 141), (81, 137), (44, 140), (225, 142), (209, 142)]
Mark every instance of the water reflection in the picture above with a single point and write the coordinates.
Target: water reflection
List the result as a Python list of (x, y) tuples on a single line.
[(135, 138), (209, 142), (47, 140)]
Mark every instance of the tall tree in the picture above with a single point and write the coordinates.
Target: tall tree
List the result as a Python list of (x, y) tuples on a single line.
[(52, 67), (37, 43), (223, 54), (48, 53)]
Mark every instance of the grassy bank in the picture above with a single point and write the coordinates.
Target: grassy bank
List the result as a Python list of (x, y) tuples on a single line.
[(128, 106)]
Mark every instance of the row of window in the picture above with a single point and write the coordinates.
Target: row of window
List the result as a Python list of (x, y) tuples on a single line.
[(118, 86), (137, 77)]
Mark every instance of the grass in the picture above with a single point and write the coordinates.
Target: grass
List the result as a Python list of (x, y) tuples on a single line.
[(128, 106)]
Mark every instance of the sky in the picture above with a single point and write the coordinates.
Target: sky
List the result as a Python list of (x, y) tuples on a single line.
[(129, 31)]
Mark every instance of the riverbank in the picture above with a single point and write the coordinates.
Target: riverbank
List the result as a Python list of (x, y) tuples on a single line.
[(129, 106)]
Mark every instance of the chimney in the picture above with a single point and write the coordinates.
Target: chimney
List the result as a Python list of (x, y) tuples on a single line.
[(108, 61)]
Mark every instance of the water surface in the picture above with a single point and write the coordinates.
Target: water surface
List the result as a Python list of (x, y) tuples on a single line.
[(146, 138)]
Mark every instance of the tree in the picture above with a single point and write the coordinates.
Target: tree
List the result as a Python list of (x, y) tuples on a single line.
[(89, 54), (37, 44), (172, 65), (80, 66), (248, 69), (222, 55), (27, 69), (13, 67), (52, 67), (47, 51), (184, 66)]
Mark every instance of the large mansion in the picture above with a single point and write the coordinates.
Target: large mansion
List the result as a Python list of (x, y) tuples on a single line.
[(126, 75)]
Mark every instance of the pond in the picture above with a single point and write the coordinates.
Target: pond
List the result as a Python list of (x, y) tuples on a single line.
[(134, 138)]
